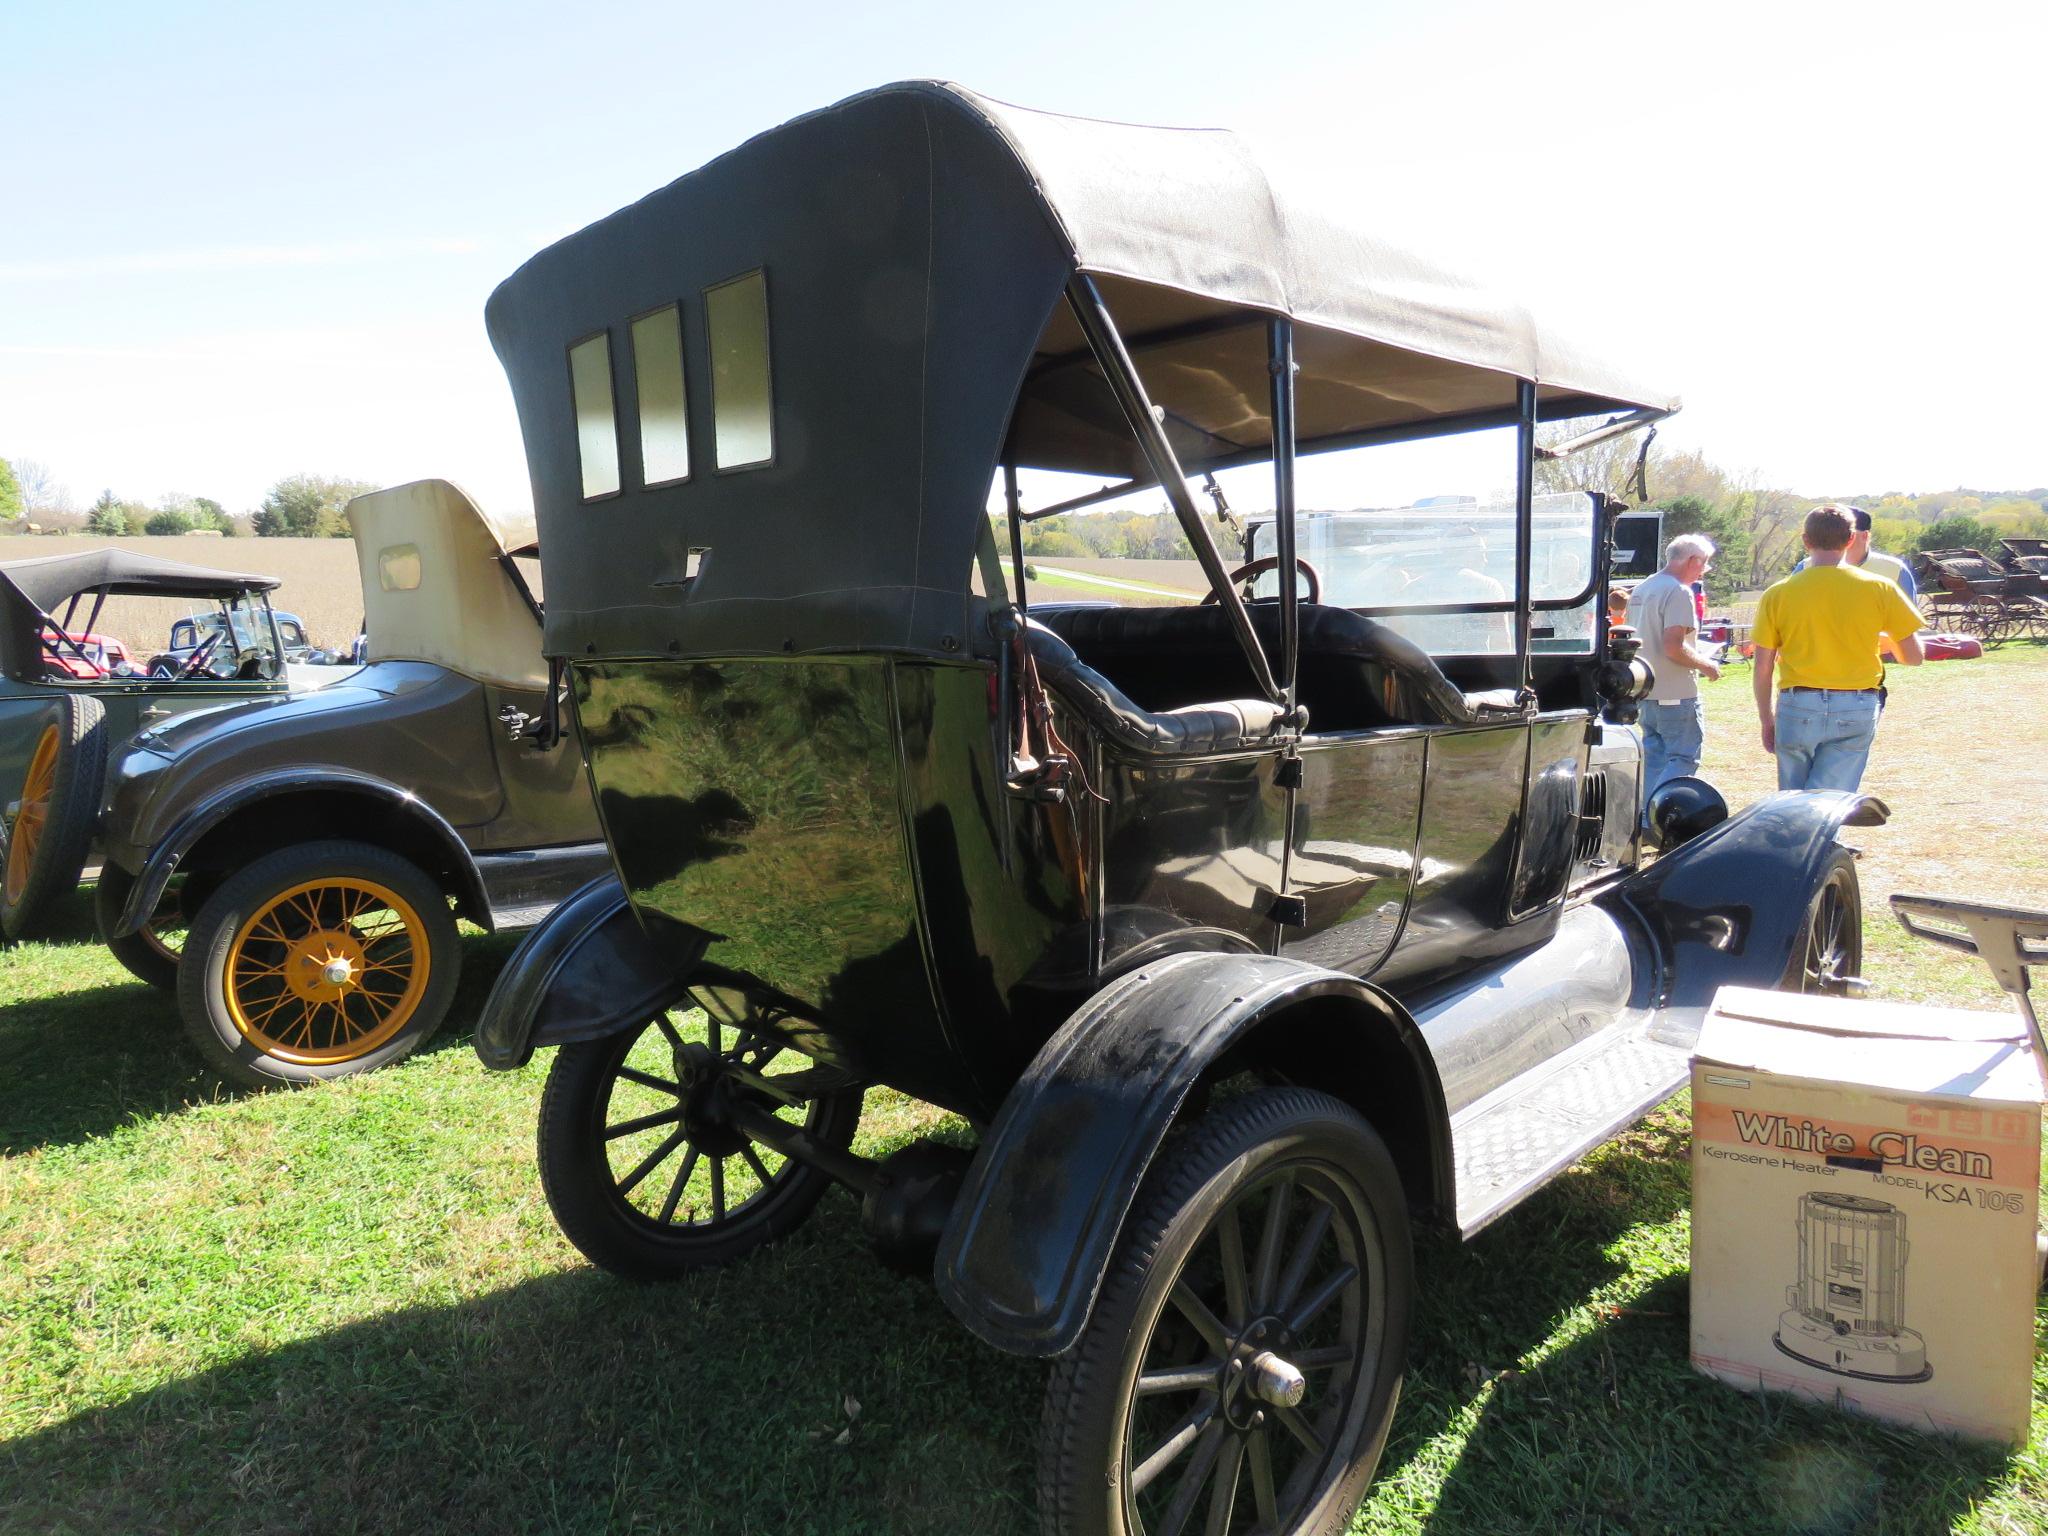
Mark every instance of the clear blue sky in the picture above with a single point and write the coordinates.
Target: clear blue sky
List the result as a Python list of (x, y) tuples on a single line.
[(249, 240)]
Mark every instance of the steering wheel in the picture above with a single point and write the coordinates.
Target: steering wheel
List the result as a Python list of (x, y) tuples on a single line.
[(1253, 569), (201, 653)]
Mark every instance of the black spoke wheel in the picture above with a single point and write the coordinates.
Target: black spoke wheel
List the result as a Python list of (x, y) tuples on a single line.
[(642, 1157), (1240, 1368), (1831, 948)]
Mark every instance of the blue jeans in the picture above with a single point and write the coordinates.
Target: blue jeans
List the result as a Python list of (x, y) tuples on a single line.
[(1824, 739), (1672, 736)]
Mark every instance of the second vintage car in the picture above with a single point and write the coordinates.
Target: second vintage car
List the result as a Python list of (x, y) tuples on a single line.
[(296, 867), (70, 691)]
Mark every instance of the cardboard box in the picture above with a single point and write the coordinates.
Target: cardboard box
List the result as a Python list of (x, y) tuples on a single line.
[(1866, 1179)]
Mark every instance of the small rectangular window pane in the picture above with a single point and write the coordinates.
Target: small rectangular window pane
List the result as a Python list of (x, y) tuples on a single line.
[(398, 568), (658, 370), (742, 407), (597, 433)]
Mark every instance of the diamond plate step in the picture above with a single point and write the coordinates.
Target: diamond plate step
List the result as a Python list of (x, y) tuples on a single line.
[(1509, 1144)]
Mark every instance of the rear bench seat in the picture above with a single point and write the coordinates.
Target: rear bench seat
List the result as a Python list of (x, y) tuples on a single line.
[(1356, 673)]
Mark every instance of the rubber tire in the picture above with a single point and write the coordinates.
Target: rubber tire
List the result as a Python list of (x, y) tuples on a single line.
[(1079, 1488), (74, 809), (225, 1048), (143, 960), (576, 1177), (1841, 868)]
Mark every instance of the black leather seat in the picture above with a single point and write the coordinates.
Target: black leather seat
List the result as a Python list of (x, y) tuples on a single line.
[(1356, 673), (1216, 726)]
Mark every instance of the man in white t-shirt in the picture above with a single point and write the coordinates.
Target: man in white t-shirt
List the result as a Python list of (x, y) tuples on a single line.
[(1662, 613)]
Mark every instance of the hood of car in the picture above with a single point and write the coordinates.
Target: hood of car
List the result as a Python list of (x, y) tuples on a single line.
[(367, 688)]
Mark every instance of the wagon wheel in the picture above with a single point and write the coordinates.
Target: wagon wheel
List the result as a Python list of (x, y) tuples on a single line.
[(1831, 947), (53, 817), (319, 961), (151, 953), (1241, 1365), (642, 1155)]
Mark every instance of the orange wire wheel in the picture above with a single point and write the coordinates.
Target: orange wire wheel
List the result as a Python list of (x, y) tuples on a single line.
[(33, 816), (326, 970), (51, 837)]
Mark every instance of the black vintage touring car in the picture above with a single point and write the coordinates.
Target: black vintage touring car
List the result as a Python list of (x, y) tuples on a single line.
[(1245, 933)]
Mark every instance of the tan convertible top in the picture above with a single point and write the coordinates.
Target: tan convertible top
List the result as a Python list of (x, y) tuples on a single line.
[(435, 587)]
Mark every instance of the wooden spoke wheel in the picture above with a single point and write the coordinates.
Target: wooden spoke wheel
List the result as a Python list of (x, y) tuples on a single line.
[(316, 962), (52, 818), (644, 1153), (1240, 1368), (1830, 951)]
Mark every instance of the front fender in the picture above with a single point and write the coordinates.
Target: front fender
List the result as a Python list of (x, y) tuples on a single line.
[(1728, 907), (586, 971), (1030, 1235), (162, 861)]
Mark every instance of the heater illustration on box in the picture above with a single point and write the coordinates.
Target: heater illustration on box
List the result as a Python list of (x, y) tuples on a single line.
[(1848, 1309)]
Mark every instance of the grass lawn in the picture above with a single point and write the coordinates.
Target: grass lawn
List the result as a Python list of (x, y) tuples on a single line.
[(348, 1309)]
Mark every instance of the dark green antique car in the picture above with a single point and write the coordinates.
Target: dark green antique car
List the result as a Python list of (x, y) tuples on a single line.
[(70, 691), (1240, 934)]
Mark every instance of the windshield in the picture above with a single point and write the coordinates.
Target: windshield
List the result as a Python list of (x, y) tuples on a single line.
[(1460, 554)]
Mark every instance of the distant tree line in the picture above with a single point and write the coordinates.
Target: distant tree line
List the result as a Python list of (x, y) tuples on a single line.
[(298, 506)]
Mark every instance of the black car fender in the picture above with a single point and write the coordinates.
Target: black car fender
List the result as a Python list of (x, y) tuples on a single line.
[(589, 969), (402, 804), (1728, 907), (1030, 1236)]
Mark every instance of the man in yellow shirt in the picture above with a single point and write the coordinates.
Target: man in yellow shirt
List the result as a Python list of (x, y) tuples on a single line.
[(1817, 631)]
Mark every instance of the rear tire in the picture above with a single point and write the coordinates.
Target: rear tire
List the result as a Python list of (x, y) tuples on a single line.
[(59, 802), (638, 1169), (1270, 1238), (317, 962)]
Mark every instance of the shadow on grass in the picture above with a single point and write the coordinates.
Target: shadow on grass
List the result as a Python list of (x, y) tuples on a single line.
[(578, 1402), (1615, 1434), (80, 1064)]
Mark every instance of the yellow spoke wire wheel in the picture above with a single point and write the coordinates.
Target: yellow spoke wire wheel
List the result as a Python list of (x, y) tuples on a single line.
[(327, 970), (33, 816)]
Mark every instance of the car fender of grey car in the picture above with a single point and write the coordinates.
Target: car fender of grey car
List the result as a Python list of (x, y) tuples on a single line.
[(405, 823)]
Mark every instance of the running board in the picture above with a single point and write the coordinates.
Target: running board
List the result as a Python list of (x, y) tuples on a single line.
[(1511, 1143)]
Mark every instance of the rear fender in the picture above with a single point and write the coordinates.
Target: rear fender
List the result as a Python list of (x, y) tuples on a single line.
[(420, 818), (588, 970), (1728, 907), (1030, 1236)]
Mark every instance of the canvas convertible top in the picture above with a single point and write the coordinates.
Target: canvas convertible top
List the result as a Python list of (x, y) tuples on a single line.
[(29, 589), (915, 244)]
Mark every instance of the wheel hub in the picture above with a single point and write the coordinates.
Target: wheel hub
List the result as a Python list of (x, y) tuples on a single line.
[(706, 1090), (1258, 1376), (325, 965)]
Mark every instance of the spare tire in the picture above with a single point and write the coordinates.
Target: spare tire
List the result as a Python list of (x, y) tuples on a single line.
[(53, 814)]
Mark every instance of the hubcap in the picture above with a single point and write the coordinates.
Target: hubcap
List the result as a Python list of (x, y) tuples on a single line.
[(1257, 1364), (326, 971)]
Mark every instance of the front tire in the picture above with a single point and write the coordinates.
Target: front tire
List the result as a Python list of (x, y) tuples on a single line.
[(152, 952), (1243, 1359), (317, 962), (641, 1165), (1830, 948)]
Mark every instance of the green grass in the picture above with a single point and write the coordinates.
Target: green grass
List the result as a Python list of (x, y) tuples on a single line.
[(348, 1310)]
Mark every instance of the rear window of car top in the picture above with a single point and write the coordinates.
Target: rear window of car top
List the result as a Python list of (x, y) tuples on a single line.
[(597, 430), (742, 400), (664, 408)]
